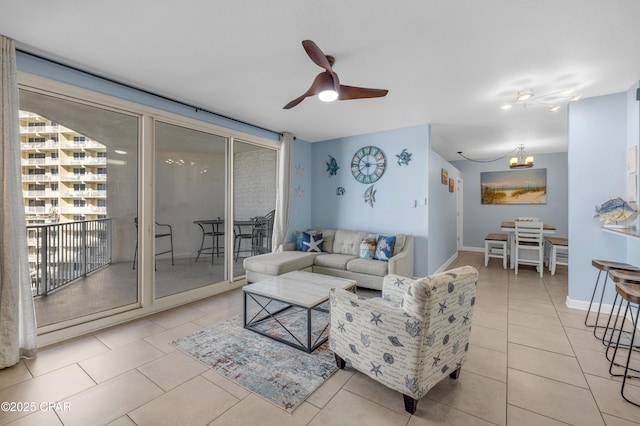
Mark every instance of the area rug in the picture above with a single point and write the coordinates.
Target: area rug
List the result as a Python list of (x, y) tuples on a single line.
[(282, 375)]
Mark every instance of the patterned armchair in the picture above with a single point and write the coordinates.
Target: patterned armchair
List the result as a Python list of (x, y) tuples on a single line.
[(412, 337)]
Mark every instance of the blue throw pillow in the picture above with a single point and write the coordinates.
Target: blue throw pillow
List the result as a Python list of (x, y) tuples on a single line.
[(299, 245), (384, 247), (312, 242)]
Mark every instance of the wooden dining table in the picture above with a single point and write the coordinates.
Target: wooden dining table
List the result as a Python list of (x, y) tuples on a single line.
[(510, 229)]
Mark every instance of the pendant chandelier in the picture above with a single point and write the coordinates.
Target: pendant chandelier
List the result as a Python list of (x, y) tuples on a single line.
[(521, 160)]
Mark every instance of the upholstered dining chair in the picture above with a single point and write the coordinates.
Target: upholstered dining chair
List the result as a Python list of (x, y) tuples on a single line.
[(412, 337), (529, 238)]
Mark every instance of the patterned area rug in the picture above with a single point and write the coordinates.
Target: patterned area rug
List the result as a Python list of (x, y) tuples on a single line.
[(272, 370)]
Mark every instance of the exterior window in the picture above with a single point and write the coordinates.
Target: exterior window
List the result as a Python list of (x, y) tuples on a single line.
[(36, 187), (54, 202), (54, 155), (102, 203), (36, 139), (54, 186), (79, 203), (79, 170), (102, 187), (102, 155), (79, 155), (78, 217), (101, 171), (37, 124), (36, 155), (36, 171), (78, 138), (79, 186), (54, 170), (36, 203)]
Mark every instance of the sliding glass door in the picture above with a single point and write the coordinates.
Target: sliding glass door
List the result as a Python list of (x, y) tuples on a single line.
[(79, 179), (190, 209)]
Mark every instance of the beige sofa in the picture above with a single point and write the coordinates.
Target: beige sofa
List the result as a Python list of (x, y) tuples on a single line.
[(339, 258)]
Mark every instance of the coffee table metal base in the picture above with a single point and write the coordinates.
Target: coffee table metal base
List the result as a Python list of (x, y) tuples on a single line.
[(310, 344)]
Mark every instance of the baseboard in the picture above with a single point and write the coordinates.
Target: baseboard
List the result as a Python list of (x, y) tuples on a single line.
[(583, 305), (447, 263), (478, 249)]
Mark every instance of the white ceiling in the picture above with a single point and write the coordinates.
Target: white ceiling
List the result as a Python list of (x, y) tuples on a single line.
[(451, 63)]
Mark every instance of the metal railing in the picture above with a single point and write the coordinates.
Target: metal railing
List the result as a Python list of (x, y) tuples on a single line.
[(67, 251)]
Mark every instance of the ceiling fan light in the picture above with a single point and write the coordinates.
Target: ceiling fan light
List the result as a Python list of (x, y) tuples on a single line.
[(506, 106), (513, 161), (529, 161), (329, 95)]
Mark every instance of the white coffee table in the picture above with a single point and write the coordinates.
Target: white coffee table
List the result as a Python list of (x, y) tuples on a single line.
[(299, 289)]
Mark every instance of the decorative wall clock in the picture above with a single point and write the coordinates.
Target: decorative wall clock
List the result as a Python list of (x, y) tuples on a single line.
[(368, 164)]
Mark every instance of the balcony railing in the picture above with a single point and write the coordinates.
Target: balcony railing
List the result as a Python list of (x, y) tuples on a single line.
[(67, 251)]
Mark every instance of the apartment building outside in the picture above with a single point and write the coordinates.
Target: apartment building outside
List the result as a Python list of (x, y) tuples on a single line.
[(64, 185)]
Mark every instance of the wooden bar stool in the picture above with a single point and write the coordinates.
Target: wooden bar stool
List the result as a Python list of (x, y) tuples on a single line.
[(495, 245), (606, 266), (558, 251), (628, 288)]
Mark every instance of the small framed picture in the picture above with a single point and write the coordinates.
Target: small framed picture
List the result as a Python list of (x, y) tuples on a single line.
[(444, 176), (452, 185)]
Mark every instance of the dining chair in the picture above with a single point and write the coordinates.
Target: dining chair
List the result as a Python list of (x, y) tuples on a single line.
[(529, 239), (162, 230)]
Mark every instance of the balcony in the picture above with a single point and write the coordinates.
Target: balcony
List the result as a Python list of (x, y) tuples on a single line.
[(37, 178), (64, 252)]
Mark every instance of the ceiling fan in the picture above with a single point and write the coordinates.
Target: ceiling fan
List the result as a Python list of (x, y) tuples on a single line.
[(327, 85)]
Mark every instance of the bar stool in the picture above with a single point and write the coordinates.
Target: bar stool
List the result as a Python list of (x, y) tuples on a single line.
[(606, 266), (495, 245), (628, 288)]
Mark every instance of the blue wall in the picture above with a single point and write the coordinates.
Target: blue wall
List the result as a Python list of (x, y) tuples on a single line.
[(300, 205), (597, 173), (481, 219), (443, 244), (396, 190)]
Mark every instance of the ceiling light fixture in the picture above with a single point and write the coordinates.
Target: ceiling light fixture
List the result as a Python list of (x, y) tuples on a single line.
[(552, 101), (521, 161), (328, 95)]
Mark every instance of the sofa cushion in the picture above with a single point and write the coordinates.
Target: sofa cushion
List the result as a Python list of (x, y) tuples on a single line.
[(369, 267), (348, 242), (384, 247), (334, 260), (368, 248), (280, 263)]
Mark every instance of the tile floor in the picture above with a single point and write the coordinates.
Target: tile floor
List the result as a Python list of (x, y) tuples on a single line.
[(531, 362)]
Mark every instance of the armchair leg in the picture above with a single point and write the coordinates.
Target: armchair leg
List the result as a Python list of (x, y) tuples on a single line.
[(340, 362), (410, 404), (456, 373)]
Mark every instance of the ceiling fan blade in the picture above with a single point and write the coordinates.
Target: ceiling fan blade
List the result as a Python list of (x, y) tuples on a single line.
[(320, 59), (322, 81), (352, 92), (316, 54), (295, 102)]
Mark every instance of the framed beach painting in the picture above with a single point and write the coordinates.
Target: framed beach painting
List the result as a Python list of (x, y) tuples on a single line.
[(444, 176), (514, 187)]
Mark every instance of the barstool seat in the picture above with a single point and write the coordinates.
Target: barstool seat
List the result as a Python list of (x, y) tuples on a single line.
[(606, 266), (495, 245), (628, 288)]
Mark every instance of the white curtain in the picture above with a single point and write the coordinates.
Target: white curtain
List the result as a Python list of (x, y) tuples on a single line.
[(17, 316), (281, 220)]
